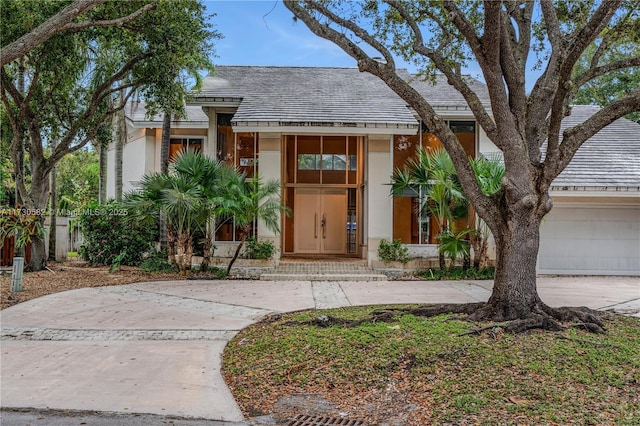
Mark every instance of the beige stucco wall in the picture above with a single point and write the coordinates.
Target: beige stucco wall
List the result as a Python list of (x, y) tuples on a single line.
[(484, 143), (269, 166), (378, 207)]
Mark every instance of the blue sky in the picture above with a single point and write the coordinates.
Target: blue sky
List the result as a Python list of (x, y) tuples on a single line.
[(263, 33)]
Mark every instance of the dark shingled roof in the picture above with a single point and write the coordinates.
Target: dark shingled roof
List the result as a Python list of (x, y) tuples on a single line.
[(301, 95), (441, 95), (610, 158), (324, 95), (136, 113)]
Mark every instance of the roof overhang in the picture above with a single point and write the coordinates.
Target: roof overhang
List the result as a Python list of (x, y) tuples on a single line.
[(325, 127), (604, 193), (174, 124), (215, 101)]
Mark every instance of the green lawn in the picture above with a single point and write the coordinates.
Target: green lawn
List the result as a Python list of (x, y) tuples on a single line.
[(426, 371)]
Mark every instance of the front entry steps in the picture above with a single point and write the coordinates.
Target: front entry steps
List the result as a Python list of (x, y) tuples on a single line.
[(322, 271)]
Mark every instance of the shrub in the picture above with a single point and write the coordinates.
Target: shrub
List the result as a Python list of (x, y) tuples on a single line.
[(393, 251), (458, 274), (255, 249), (111, 237), (157, 263), (218, 272)]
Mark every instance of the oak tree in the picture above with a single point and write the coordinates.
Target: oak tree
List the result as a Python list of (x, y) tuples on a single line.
[(501, 37), (73, 73)]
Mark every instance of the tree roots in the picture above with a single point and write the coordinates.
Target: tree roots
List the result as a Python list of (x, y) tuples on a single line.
[(541, 317)]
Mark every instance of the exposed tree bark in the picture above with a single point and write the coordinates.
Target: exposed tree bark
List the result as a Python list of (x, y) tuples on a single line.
[(243, 238), (36, 199), (514, 293), (171, 246), (18, 155), (206, 252), (121, 139), (165, 142), (53, 217), (102, 180)]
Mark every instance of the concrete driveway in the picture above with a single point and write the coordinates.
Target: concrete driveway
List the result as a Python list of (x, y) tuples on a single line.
[(156, 348)]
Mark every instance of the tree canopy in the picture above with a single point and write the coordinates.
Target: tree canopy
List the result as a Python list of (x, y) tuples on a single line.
[(73, 74)]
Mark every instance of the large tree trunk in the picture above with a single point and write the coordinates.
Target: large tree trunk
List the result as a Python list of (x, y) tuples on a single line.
[(514, 293), (37, 201)]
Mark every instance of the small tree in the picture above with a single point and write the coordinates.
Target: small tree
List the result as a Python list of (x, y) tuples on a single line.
[(431, 174), (249, 200)]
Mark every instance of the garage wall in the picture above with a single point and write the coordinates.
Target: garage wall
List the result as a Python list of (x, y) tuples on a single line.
[(590, 240)]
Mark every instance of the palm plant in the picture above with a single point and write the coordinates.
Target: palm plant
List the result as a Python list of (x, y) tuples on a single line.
[(189, 196), (248, 200), (432, 176), (489, 172), (212, 178)]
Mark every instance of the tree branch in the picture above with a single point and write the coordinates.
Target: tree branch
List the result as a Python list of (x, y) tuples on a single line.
[(98, 96), (403, 89), (456, 80), (574, 138), (75, 26), (587, 34), (595, 72), (541, 97), (356, 30), (460, 21), (44, 31), (513, 73), (561, 98)]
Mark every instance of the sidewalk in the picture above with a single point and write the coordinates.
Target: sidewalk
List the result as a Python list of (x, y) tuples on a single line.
[(155, 348)]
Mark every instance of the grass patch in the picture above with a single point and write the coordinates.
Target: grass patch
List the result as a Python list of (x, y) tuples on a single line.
[(422, 371)]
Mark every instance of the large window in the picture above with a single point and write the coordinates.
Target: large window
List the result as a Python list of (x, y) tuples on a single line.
[(178, 144), (410, 224), (322, 159), (240, 150)]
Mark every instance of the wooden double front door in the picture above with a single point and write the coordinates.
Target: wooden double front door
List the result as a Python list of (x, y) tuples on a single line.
[(320, 221)]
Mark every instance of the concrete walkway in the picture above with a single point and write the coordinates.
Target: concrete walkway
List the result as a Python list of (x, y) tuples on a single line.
[(155, 348)]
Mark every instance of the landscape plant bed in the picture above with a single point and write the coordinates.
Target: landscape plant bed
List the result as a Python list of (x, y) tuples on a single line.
[(456, 273), (64, 276), (415, 371)]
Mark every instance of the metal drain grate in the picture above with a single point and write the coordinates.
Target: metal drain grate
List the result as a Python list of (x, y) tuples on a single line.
[(305, 420)]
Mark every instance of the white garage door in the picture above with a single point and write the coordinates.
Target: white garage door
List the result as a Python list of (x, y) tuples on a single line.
[(590, 241)]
